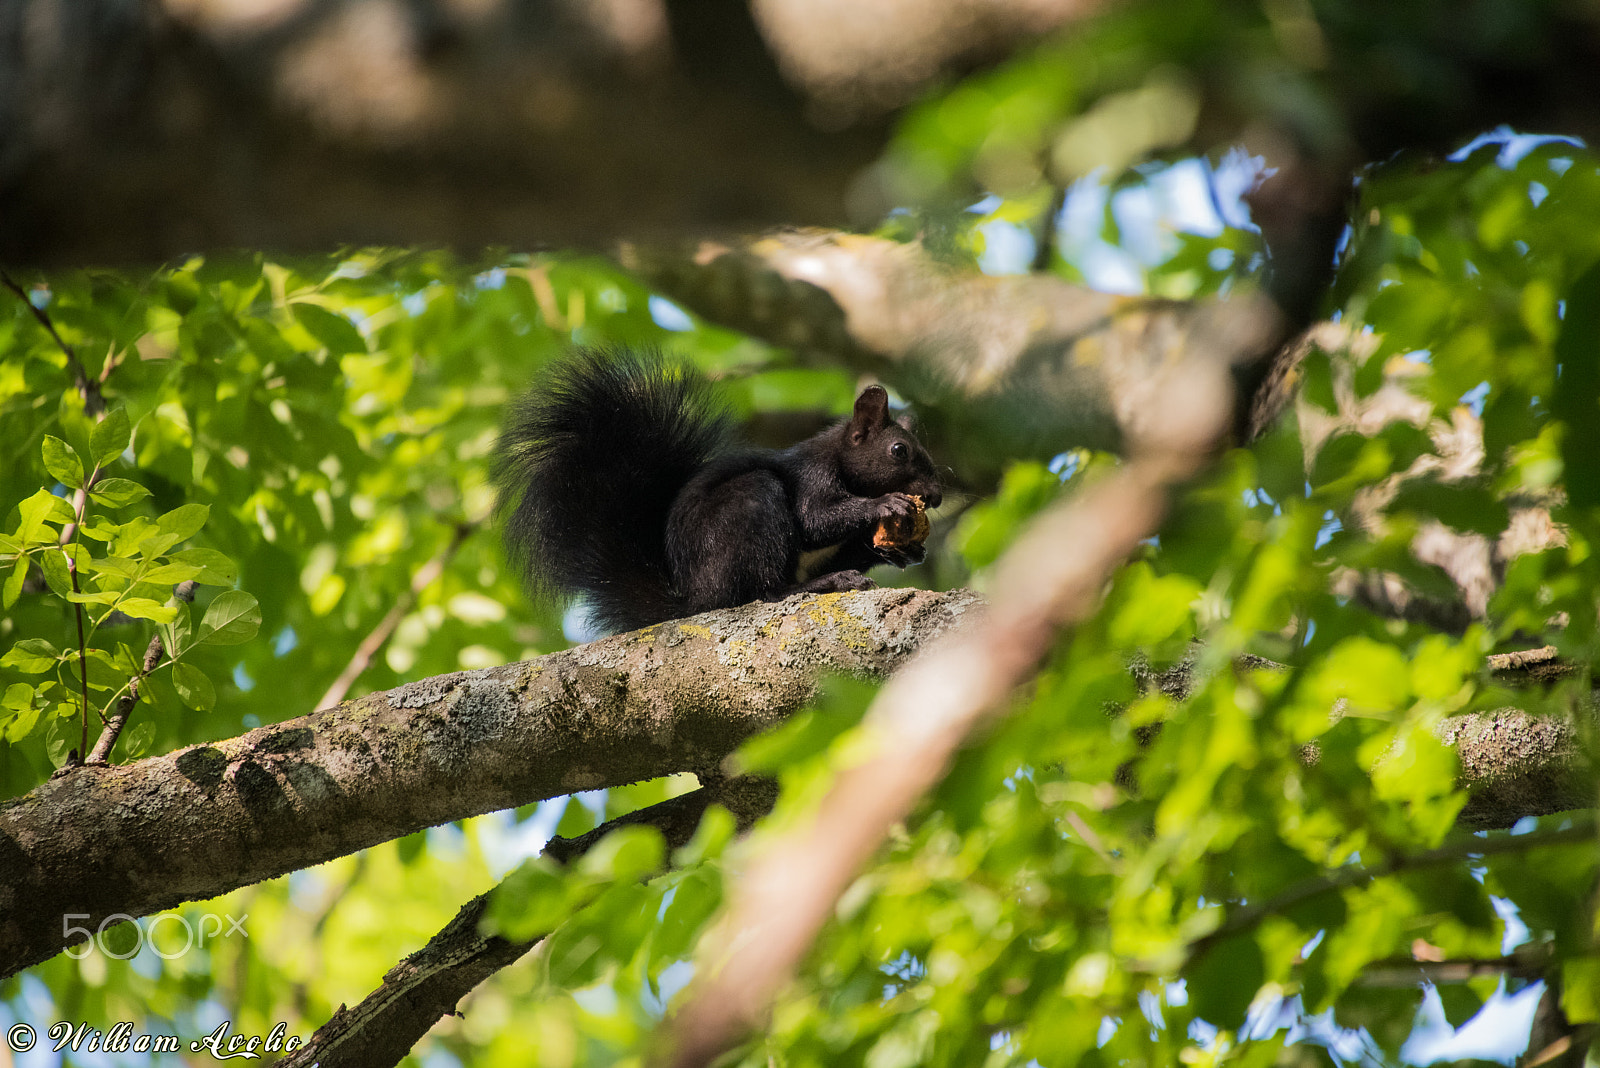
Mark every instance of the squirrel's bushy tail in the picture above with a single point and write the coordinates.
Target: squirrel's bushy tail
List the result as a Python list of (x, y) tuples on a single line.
[(587, 467)]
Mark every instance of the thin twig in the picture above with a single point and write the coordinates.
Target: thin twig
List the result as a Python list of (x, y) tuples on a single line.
[(1407, 974), (380, 634), (1044, 242), (76, 756), (94, 402), (119, 719), (88, 388), (1244, 918)]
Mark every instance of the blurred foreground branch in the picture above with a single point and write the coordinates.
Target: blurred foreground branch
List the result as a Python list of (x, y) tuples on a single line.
[(1050, 580)]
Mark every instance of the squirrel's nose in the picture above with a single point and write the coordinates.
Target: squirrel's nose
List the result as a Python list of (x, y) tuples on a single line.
[(932, 498)]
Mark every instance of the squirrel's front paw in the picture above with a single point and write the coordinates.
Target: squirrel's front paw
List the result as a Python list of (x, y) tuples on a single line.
[(896, 506)]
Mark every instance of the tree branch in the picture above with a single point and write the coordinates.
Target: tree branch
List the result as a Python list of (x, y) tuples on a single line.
[(119, 719), (536, 124), (1033, 363), (204, 820), (1408, 974), (425, 987), (1242, 919), (88, 386)]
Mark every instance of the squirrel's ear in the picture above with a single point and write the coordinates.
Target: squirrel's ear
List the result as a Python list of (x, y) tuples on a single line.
[(872, 413)]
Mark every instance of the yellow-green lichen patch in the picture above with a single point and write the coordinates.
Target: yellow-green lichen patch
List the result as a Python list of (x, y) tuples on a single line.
[(348, 738), (698, 630), (830, 611)]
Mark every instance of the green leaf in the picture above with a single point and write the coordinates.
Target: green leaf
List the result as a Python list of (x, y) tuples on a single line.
[(1576, 400), (63, 734), (1406, 443), (629, 852), (333, 331), (98, 527), (1461, 1003), (1224, 981), (233, 617), (1348, 455), (694, 900), (103, 673), (534, 899), (194, 687), (987, 528), (117, 492), (840, 706), (22, 722), (1150, 609), (145, 540), (411, 847), (576, 819), (112, 565), (110, 437), (105, 597), (1580, 990), (1317, 380), (717, 828), (1462, 506), (43, 507), (14, 581), (185, 520), (145, 608), (170, 574), (1372, 676), (31, 656), (216, 569), (177, 635), (62, 462), (18, 696), (135, 743), (53, 564)]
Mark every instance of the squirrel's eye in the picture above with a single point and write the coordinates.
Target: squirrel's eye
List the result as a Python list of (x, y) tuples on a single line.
[(898, 450)]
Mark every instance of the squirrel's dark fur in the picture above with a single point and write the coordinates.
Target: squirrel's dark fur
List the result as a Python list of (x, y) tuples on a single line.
[(620, 479)]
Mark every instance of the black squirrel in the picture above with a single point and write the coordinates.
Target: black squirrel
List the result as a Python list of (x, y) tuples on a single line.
[(621, 479)]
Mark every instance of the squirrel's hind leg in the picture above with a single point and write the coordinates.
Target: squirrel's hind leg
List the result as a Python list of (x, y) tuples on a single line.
[(730, 541)]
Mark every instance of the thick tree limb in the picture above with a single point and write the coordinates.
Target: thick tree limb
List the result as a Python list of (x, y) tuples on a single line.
[(1513, 763), (192, 824), (1038, 364), (139, 132)]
